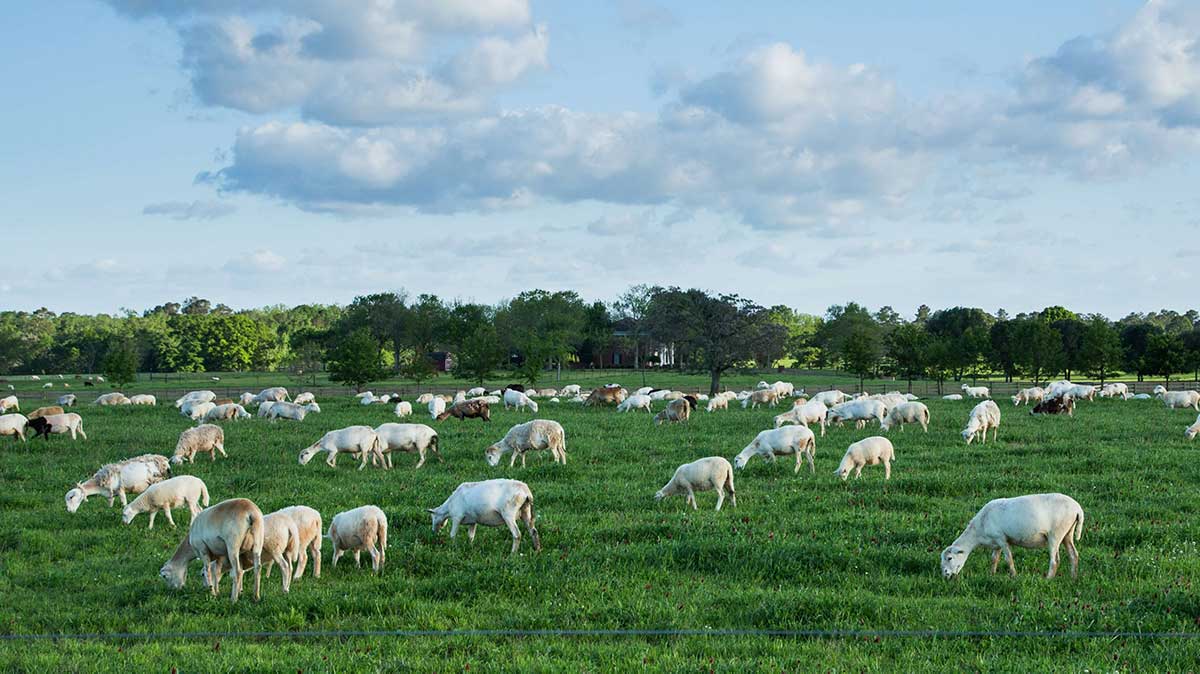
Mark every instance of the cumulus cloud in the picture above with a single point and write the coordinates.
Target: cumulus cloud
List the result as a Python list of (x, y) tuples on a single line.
[(259, 262), (190, 210)]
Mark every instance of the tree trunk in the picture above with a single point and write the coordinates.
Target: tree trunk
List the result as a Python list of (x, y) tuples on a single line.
[(636, 349), (715, 385)]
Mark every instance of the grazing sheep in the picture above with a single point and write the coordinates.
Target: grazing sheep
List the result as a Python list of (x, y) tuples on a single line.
[(707, 474), (424, 398), (203, 438), (113, 398), (1178, 399), (358, 440), (311, 529), (1191, 431), (407, 438), (569, 390), (67, 400), (199, 397), (290, 411), (246, 399), (519, 400), (1032, 521), (197, 411), (45, 412), (304, 399), (34, 377), (275, 394), (906, 413), (1057, 405), (180, 490), (1115, 390), (281, 545), (226, 412), (530, 436), (1056, 388), (812, 412), (1142, 396), (222, 401), (606, 396), (867, 452), (13, 424), (364, 528), (830, 398), (1080, 391), (143, 399), (765, 396), (952, 396), (859, 411), (58, 423), (48, 385), (9, 401), (467, 409), (976, 391), (636, 401), (438, 406), (132, 476), (264, 409), (985, 415), (677, 410), (717, 403), (890, 400), (220, 533), (798, 440), (476, 392), (783, 389), (1029, 396), (403, 409), (547, 393), (492, 503)]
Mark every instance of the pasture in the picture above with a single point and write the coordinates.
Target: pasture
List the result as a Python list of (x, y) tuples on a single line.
[(798, 552)]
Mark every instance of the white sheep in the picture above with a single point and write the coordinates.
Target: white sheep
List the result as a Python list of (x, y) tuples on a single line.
[(985, 416), (783, 388), (9, 401), (305, 398), (290, 411), (407, 438), (765, 396), (569, 390), (1142, 396), (798, 440), (1056, 388), (195, 410), (677, 410), (246, 399), (1080, 392), (644, 391), (437, 406), (225, 412), (1115, 390), (476, 392), (281, 545), (114, 398), (203, 438), (14, 425), (1032, 521), (976, 391), (830, 398), (867, 452), (424, 398), (275, 394), (1193, 430), (181, 490), (364, 528), (519, 400), (860, 411), (64, 423), (358, 440), (717, 403), (132, 476), (547, 393), (636, 401), (1030, 396), (311, 529), (906, 413), (143, 399), (812, 412), (952, 396), (197, 397), (1178, 399), (236, 524), (492, 503), (403, 409), (530, 436), (707, 474)]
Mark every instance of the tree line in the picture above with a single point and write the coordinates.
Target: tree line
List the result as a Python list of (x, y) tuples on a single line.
[(395, 334)]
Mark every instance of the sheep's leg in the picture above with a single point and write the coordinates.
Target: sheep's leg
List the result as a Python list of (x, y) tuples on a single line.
[(516, 533), (887, 469), (1072, 553), (170, 519), (421, 461), (522, 459), (799, 460), (858, 470), (454, 528), (1008, 557), (152, 514), (376, 557), (358, 559), (235, 574), (221, 449), (995, 559), (1053, 546), (720, 496), (285, 568), (513, 461), (316, 554), (471, 533), (336, 554), (121, 493), (811, 454), (388, 457), (995, 433), (301, 563), (691, 497)]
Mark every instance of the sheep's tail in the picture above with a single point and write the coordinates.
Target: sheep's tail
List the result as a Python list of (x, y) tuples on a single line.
[(926, 416), (729, 481), (204, 494), (1079, 524), (377, 449)]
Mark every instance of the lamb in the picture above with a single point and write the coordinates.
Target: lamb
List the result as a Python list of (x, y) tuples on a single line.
[(953, 396), (857, 411), (177, 491), (359, 440), (281, 545), (867, 452), (1115, 390), (1192, 431), (225, 412), (798, 440), (290, 411), (364, 528), (200, 397), (783, 389), (403, 409), (530, 436), (491, 503), (476, 392), (906, 413), (677, 410), (547, 393), (438, 406), (368, 399), (58, 423), (113, 398), (45, 411), (636, 401), (1029, 396), (203, 438), (246, 399), (813, 412), (1174, 399), (1143, 396), (1032, 521), (467, 409), (132, 476), (1057, 405), (519, 401), (985, 415), (275, 394), (717, 403), (976, 391), (222, 532), (143, 399), (606, 396), (761, 397), (13, 424), (304, 399), (311, 529), (569, 390), (417, 438), (9, 401), (707, 474), (645, 390), (67, 400)]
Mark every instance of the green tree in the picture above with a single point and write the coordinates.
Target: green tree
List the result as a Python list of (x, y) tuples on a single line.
[(1135, 342), (541, 328), (1039, 348), (849, 332), (966, 333), (1100, 354), (355, 361), (1072, 330), (630, 310), (1002, 340), (908, 346), (478, 354), (1165, 355), (121, 361)]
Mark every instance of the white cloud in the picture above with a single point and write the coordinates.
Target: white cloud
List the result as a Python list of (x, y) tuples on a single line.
[(260, 261), (193, 210)]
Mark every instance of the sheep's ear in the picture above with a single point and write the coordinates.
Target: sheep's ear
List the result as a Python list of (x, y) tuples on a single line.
[(431, 511)]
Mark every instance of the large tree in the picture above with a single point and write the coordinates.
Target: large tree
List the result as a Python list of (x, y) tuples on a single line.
[(1100, 354), (1135, 341), (355, 360), (1039, 348), (541, 328), (630, 309), (908, 347), (121, 361)]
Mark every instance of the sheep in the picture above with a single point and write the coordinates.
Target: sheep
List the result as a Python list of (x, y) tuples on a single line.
[(189, 408), (530, 436), (677, 410), (495, 400), (246, 399), (180, 490), (311, 530), (761, 397), (13, 424), (312, 408), (644, 391), (1191, 431), (798, 440), (436, 406), (305, 398), (1056, 388), (859, 411), (275, 394), (407, 438), (225, 412), (952, 396), (606, 396), (636, 401), (717, 403), (264, 409), (200, 397), (67, 400), (547, 393), (1055, 406), (976, 391), (867, 452), (1142, 396), (58, 424), (783, 389), (906, 413), (1080, 391), (48, 385), (10, 401), (661, 394), (44, 412), (364, 528), (1031, 521), (113, 398), (985, 415), (492, 503), (1029, 396), (132, 476), (830, 398), (569, 390), (467, 409), (707, 474), (358, 440), (812, 412), (222, 532), (203, 438), (424, 398), (281, 545), (368, 399), (519, 401), (292, 411), (143, 399), (1175, 399), (1115, 390), (476, 392), (34, 377)]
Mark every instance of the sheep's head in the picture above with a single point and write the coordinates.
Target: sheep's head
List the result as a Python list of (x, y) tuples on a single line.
[(660, 494), (177, 459), (75, 497), (312, 407), (968, 434), (438, 518), (307, 454), (493, 453), (533, 407), (1192, 431), (953, 559), (174, 576), (128, 513)]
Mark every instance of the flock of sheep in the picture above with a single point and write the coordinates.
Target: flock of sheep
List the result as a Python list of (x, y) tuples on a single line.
[(235, 534)]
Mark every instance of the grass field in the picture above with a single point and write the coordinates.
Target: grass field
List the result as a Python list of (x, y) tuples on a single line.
[(799, 552)]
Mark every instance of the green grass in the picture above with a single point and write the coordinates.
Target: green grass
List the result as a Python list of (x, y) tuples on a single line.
[(799, 552)]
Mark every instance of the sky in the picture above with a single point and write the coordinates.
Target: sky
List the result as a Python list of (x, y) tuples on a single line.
[(1002, 155)]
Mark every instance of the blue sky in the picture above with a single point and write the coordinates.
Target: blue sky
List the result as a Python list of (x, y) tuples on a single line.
[(1014, 155)]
